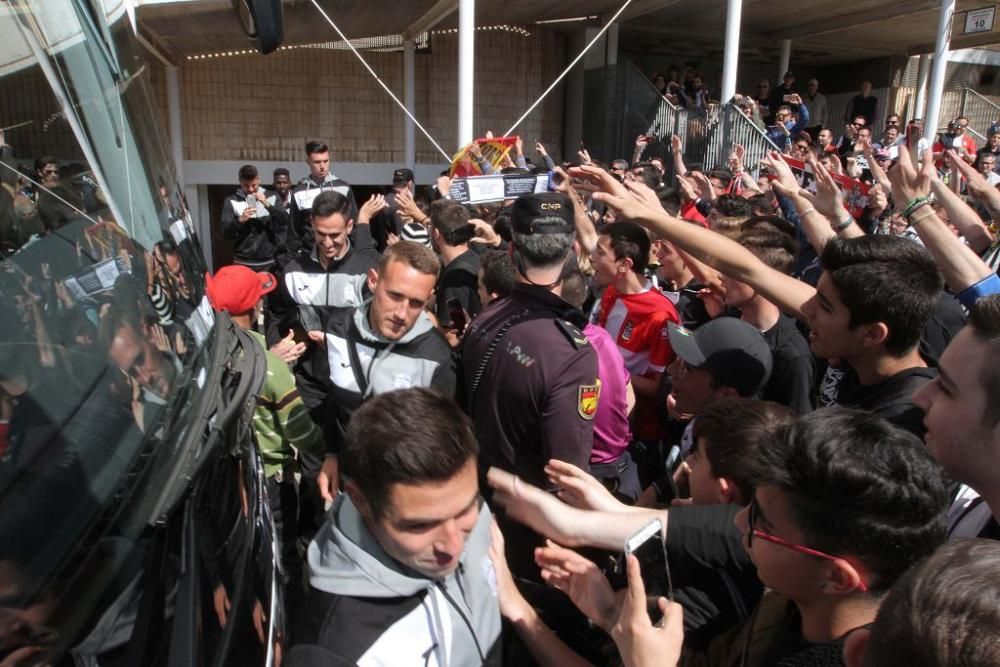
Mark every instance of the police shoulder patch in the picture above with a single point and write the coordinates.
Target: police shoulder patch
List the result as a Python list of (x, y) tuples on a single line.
[(587, 397), (573, 333)]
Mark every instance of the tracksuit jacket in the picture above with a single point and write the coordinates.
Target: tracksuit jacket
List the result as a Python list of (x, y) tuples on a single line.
[(364, 608)]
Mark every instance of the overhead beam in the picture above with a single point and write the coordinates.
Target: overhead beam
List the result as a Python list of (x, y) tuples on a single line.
[(958, 42), (642, 7), (849, 20), (441, 10)]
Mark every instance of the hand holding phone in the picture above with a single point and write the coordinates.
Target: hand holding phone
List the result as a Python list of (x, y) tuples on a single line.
[(457, 315), (648, 548)]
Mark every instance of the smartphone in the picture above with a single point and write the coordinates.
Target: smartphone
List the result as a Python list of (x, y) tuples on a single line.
[(251, 202), (457, 315), (555, 180), (788, 98), (648, 547)]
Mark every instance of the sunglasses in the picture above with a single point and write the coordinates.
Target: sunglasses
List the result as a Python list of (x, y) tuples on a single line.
[(754, 515)]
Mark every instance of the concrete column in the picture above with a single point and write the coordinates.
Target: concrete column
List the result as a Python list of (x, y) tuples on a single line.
[(940, 67), (730, 59), (923, 73), (409, 98), (784, 61), (611, 38), (466, 70), (174, 121)]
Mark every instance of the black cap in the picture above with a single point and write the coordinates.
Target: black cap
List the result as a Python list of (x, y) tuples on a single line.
[(734, 352), (542, 213), (401, 176)]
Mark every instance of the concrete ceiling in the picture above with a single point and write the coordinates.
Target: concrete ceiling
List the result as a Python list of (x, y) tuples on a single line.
[(823, 31)]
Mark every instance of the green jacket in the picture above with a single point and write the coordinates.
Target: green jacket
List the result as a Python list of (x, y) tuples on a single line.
[(281, 421)]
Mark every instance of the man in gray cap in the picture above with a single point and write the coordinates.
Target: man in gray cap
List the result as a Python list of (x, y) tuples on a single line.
[(725, 357), (530, 375)]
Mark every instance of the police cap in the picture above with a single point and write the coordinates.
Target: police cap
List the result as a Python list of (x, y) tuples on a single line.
[(542, 213)]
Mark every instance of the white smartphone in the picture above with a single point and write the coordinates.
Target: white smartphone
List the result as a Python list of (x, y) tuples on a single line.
[(648, 547)]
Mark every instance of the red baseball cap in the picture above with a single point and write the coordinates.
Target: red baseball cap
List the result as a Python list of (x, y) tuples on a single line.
[(237, 289)]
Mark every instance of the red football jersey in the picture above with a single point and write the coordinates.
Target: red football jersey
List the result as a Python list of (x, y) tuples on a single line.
[(638, 323)]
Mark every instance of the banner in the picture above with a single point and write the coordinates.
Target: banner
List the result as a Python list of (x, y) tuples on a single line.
[(498, 187), (493, 149), (855, 192)]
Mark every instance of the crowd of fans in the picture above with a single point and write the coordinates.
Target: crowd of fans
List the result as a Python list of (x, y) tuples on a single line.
[(801, 391)]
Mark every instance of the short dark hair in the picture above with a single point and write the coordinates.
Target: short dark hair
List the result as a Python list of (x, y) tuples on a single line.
[(44, 161), (415, 255), (646, 173), (281, 171), (777, 250), (984, 321), (858, 486), (574, 287), (670, 200), (315, 146), (327, 203), (733, 429), (629, 241), (409, 436), (248, 172), (498, 272), (451, 220), (884, 278), (724, 174), (762, 204), (733, 206), (942, 613)]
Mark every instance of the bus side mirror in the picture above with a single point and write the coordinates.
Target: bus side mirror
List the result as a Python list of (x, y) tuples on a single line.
[(262, 22)]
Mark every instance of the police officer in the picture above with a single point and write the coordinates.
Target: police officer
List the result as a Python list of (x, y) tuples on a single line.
[(529, 374)]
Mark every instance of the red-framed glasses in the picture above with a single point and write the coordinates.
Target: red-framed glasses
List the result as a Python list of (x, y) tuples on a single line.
[(773, 539)]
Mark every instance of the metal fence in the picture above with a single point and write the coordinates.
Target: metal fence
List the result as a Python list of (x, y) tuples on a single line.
[(981, 112), (621, 104), (726, 126)]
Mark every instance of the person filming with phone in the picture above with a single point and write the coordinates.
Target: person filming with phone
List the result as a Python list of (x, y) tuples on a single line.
[(254, 224)]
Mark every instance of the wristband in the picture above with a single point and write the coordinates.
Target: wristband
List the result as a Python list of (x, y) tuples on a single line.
[(843, 224), (913, 218), (916, 203)]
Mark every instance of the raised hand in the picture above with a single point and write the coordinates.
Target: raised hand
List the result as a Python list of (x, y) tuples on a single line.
[(371, 208), (581, 489), (407, 207), (910, 181)]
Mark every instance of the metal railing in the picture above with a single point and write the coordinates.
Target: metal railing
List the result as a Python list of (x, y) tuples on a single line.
[(621, 104), (725, 127), (981, 112)]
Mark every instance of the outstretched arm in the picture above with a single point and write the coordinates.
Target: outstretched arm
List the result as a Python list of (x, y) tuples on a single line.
[(725, 255), (962, 268)]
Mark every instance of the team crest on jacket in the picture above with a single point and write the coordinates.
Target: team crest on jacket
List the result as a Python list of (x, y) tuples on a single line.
[(627, 330), (588, 395)]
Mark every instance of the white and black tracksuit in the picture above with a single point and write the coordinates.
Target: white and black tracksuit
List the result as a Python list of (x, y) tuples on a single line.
[(364, 608)]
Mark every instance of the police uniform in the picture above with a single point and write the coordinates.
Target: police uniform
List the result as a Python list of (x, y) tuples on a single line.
[(529, 374)]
